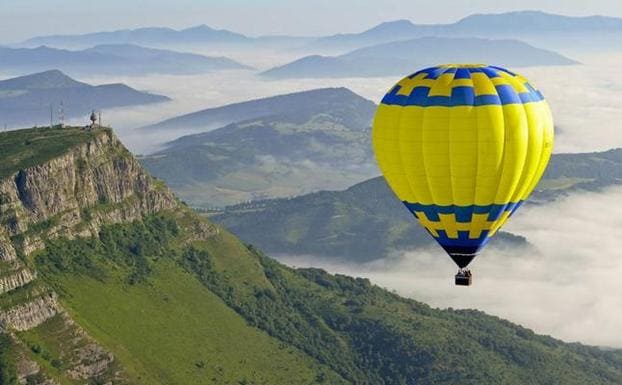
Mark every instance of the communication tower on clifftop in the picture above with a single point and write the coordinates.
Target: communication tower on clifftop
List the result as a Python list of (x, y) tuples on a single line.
[(93, 119), (61, 115)]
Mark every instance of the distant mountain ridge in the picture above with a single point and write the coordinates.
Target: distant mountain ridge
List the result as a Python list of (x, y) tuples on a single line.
[(279, 146), (403, 57), (539, 28), (119, 59), (161, 36), (40, 81), (141, 36), (366, 221), (535, 27), (287, 104), (26, 100)]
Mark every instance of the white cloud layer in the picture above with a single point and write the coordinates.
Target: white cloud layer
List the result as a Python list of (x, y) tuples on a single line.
[(568, 286), (586, 99)]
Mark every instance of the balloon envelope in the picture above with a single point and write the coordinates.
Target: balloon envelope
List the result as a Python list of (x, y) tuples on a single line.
[(462, 146)]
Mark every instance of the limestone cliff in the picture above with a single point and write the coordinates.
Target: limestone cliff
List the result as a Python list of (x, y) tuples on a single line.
[(90, 184), (72, 195)]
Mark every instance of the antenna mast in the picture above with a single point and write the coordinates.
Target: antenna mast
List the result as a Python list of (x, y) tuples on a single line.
[(51, 116), (61, 115)]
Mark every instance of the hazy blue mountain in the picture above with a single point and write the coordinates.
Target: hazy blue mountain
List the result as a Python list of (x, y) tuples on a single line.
[(150, 35), (539, 28), (540, 21), (158, 36), (366, 221), (402, 57), (306, 102), (111, 59), (293, 144), (26, 100)]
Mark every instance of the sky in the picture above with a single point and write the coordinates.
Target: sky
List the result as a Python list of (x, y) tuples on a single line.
[(20, 19)]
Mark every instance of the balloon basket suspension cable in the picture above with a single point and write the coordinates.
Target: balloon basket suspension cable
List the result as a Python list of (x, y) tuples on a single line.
[(464, 277)]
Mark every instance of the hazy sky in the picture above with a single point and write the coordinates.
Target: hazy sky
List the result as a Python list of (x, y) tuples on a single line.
[(20, 19)]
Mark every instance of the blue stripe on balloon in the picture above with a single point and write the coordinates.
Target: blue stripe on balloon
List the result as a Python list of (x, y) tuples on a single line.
[(463, 213), (462, 73), (507, 94), (460, 96)]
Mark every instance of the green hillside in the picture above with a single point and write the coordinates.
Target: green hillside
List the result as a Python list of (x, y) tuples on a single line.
[(362, 223), (213, 299), (155, 294), (196, 296), (131, 291), (366, 221), (590, 171), (281, 152)]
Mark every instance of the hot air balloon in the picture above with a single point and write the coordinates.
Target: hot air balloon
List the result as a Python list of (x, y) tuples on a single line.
[(463, 146)]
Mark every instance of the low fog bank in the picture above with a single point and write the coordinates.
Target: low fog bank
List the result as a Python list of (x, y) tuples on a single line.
[(196, 92), (582, 96), (568, 287)]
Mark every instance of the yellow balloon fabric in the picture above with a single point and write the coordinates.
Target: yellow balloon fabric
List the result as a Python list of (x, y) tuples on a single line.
[(462, 146)]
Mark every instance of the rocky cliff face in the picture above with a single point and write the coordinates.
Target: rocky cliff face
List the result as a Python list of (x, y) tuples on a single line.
[(73, 195), (17, 276), (29, 314)]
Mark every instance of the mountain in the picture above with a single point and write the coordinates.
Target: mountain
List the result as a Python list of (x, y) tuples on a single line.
[(107, 278), (111, 59), (279, 146), (145, 36), (305, 102), (366, 221), (158, 36), (403, 57), (568, 173), (535, 27), (360, 224), (26, 100)]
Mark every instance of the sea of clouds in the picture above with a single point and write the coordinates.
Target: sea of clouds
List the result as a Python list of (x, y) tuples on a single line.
[(567, 285), (586, 99)]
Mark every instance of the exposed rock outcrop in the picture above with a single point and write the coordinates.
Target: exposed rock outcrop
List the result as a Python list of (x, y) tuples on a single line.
[(27, 315), (7, 252), (93, 362), (73, 195), (15, 279)]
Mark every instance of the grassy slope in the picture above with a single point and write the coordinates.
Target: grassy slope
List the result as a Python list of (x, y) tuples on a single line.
[(163, 326), (175, 331), (26, 148), (178, 311)]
